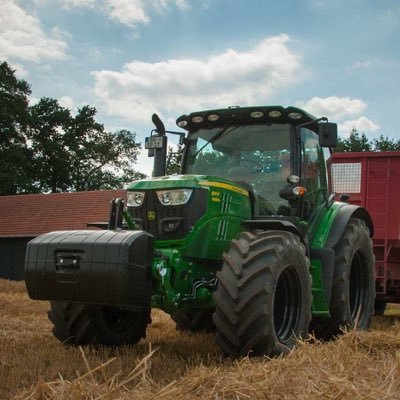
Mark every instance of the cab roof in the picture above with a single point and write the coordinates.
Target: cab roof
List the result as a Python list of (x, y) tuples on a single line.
[(245, 115)]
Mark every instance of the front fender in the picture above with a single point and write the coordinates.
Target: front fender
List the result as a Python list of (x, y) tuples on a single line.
[(342, 219)]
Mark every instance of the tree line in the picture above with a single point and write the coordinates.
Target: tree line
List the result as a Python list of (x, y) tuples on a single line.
[(45, 148), (359, 142)]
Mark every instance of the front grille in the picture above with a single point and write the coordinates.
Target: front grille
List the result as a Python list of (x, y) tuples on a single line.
[(169, 222)]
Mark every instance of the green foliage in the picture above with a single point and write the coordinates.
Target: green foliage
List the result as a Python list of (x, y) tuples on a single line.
[(44, 148), (386, 144), (359, 142), (174, 160), (207, 163), (355, 142), (14, 117)]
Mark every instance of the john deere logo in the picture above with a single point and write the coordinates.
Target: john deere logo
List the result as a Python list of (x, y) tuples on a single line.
[(151, 215)]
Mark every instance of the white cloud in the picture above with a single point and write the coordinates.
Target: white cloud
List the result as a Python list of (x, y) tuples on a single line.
[(390, 18), (367, 64), (78, 3), (362, 124), (22, 38), (162, 4), (338, 109), (182, 4), (127, 12), (33, 101), (21, 72), (180, 85), (333, 107), (145, 163), (67, 102)]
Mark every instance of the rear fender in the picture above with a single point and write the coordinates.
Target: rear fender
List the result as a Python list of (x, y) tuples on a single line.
[(326, 254)]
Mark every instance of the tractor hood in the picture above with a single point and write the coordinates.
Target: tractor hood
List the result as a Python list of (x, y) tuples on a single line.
[(186, 181)]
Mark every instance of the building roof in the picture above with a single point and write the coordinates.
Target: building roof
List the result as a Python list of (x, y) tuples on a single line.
[(30, 215)]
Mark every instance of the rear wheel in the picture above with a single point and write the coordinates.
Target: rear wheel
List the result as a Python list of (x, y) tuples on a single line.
[(80, 324), (263, 297), (194, 321), (353, 290)]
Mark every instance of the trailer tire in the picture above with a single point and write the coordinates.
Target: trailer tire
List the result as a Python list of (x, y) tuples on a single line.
[(353, 289), (81, 324), (194, 321), (263, 296)]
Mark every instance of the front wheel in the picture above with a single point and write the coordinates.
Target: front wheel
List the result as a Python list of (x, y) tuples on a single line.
[(263, 297), (353, 290), (81, 324)]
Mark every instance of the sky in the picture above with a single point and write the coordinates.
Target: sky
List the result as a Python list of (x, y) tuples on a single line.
[(131, 58)]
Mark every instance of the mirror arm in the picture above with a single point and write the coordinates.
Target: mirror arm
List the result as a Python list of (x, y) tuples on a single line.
[(312, 122), (181, 136)]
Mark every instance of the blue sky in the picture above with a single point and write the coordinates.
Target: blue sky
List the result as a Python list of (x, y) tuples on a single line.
[(130, 58)]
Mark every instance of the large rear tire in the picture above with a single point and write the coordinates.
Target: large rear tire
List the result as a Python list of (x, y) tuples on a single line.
[(81, 324), (353, 290), (194, 321), (263, 297)]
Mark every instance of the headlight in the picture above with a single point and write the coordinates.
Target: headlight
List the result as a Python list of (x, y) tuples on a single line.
[(174, 197), (135, 199)]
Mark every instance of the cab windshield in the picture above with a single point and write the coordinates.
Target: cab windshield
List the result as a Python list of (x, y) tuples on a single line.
[(255, 156)]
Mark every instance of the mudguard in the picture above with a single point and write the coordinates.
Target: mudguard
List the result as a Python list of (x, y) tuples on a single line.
[(111, 267), (342, 219), (274, 223)]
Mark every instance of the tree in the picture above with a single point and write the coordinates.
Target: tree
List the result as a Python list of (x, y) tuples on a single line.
[(386, 144), (14, 117), (74, 153), (44, 148), (355, 142), (174, 160), (51, 158)]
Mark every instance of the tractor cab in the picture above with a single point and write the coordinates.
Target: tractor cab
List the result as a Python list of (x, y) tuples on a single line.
[(277, 154)]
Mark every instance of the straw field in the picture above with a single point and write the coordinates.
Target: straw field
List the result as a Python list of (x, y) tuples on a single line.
[(173, 365)]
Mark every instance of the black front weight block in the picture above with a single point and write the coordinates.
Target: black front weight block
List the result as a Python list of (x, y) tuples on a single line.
[(108, 267)]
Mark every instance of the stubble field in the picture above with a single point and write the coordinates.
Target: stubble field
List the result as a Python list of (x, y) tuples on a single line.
[(174, 365)]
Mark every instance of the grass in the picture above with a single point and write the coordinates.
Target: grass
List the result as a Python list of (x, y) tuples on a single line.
[(173, 365)]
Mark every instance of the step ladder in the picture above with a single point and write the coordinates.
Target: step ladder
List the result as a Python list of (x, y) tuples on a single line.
[(381, 246)]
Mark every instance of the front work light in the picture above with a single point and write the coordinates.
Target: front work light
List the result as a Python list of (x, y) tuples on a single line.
[(175, 197), (135, 199)]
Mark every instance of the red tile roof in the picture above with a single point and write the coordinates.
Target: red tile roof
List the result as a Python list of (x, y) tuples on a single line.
[(32, 214)]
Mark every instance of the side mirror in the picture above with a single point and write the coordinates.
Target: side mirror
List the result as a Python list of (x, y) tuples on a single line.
[(327, 134)]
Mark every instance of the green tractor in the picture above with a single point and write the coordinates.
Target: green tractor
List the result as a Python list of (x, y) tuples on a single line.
[(246, 241)]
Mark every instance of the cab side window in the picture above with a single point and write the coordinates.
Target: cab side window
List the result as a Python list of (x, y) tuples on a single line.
[(313, 176)]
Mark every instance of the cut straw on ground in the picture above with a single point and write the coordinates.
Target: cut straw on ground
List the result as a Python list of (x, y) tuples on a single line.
[(173, 365)]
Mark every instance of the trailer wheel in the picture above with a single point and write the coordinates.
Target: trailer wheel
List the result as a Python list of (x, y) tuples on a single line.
[(81, 324), (263, 296), (380, 307), (194, 321), (353, 290)]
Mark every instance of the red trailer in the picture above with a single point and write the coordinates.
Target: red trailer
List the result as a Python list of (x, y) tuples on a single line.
[(372, 179)]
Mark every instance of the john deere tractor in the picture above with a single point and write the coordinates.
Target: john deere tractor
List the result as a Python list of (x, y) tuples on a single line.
[(246, 241)]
